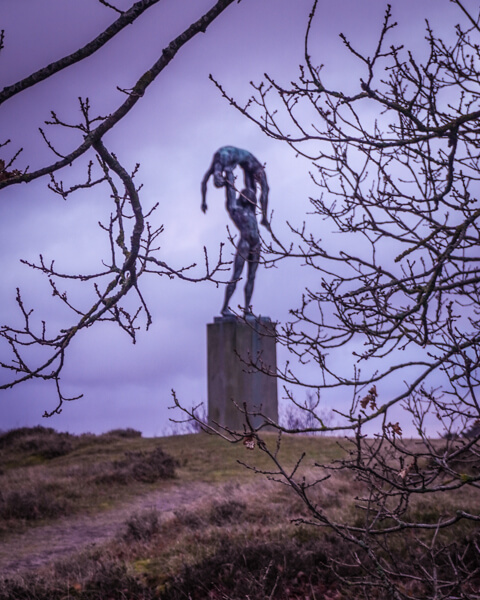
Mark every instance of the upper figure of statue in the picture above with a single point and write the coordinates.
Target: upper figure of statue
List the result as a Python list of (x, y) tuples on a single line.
[(227, 158), (242, 210)]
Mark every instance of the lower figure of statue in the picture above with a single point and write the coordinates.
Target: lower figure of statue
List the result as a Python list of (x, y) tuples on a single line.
[(241, 209)]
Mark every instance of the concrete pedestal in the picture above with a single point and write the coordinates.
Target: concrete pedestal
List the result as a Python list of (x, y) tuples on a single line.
[(232, 346)]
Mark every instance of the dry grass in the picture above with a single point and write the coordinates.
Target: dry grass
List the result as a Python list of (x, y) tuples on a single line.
[(245, 540), (239, 543), (208, 458), (156, 556), (45, 475)]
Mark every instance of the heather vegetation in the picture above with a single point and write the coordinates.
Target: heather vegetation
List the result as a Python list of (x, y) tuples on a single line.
[(247, 537), (45, 474)]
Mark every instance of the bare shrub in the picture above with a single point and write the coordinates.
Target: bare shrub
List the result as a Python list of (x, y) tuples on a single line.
[(127, 433), (473, 431), (33, 489), (191, 519), (40, 441), (149, 467), (193, 424), (307, 416), (107, 578), (52, 447), (227, 512), (256, 571), (114, 580), (33, 503), (8, 438), (142, 526), (465, 461), (145, 467)]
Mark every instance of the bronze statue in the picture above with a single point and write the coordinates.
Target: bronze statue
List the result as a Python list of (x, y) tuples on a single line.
[(242, 210)]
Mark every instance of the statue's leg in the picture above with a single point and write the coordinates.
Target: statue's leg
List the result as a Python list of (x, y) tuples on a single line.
[(228, 294), (253, 260), (242, 253)]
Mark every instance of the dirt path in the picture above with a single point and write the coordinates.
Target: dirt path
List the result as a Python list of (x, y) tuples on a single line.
[(41, 545)]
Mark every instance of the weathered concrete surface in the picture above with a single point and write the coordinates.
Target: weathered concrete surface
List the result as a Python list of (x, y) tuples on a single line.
[(232, 346)]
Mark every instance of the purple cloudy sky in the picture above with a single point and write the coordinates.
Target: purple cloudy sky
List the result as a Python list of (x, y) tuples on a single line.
[(173, 132)]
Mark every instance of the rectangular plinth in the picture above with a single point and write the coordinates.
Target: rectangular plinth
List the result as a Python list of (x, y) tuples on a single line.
[(232, 381)]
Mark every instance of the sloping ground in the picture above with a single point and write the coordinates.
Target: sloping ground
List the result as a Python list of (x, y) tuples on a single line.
[(122, 517), (61, 494)]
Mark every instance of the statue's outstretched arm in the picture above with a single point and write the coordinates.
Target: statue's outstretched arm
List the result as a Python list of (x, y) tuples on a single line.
[(207, 176)]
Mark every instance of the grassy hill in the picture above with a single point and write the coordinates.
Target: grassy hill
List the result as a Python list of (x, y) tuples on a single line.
[(209, 526), (47, 477), (45, 474)]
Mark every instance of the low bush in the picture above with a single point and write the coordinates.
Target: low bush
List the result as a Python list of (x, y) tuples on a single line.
[(149, 467), (34, 487), (190, 519), (114, 580), (227, 512), (141, 527), (31, 504), (237, 570), (8, 438), (108, 579), (127, 433), (39, 441), (256, 571), (144, 467)]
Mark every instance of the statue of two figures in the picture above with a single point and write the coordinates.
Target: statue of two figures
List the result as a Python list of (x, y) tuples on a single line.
[(241, 207)]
